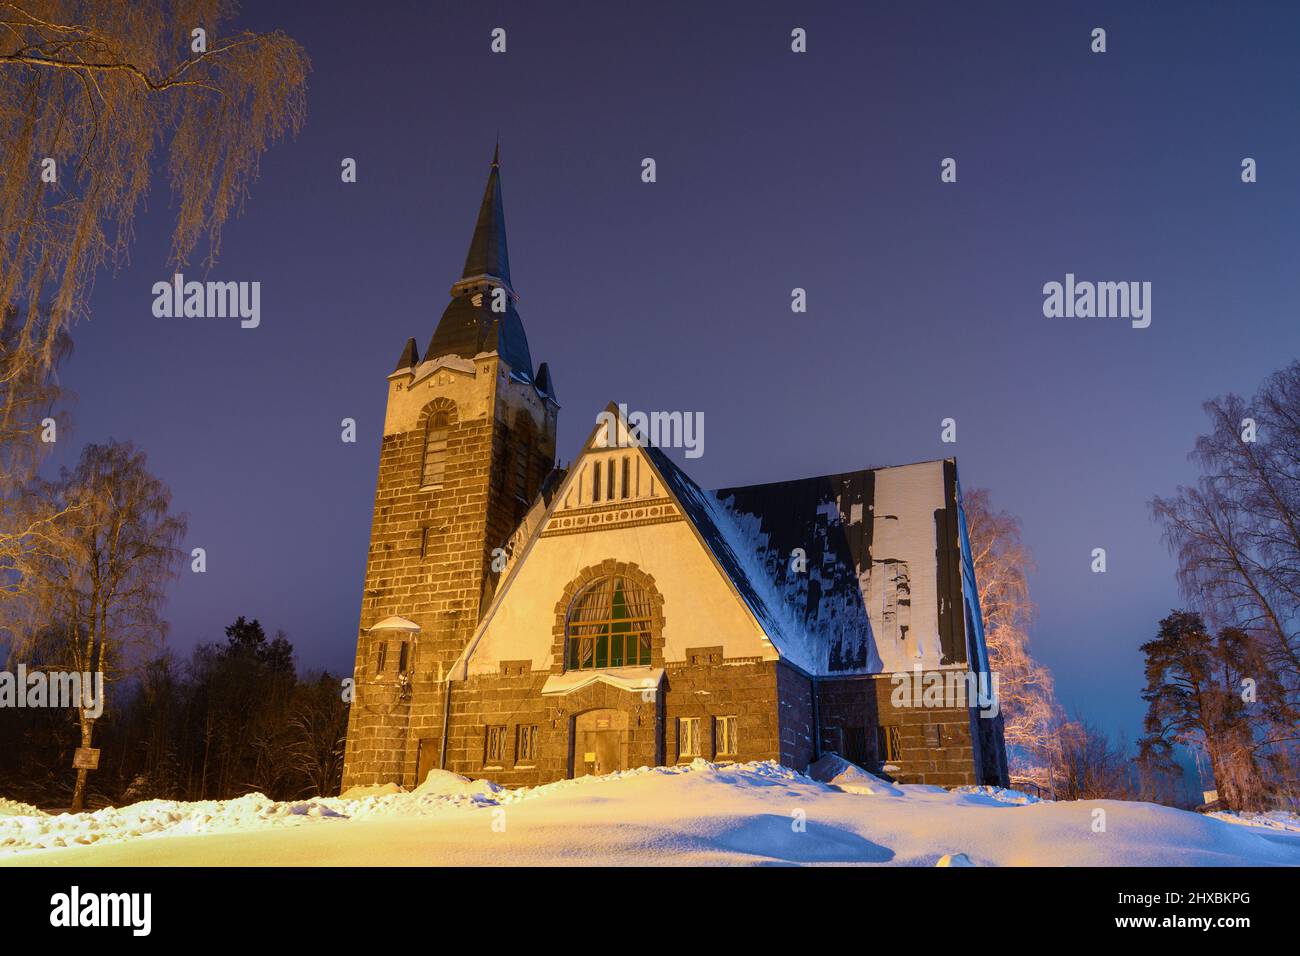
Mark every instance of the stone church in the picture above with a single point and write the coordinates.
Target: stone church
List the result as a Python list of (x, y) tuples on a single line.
[(527, 623)]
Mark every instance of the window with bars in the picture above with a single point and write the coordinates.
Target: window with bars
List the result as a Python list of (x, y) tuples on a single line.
[(494, 746), (381, 657), (403, 657), (725, 737), (526, 744), (435, 449), (688, 736), (890, 744), (854, 742), (609, 625)]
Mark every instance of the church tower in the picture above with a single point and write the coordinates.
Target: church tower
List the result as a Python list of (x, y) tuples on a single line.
[(469, 439)]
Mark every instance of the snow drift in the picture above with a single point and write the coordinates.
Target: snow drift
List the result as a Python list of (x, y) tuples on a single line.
[(702, 814)]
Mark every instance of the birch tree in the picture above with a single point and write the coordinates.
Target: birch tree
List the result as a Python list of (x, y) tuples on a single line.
[(102, 585), (95, 97), (1032, 719)]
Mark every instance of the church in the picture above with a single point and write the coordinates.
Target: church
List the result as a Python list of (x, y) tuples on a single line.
[(527, 623)]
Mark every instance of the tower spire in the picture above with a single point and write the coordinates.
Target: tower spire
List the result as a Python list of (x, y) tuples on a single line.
[(488, 260), (477, 319)]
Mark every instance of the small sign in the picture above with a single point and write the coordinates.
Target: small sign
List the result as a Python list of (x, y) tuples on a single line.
[(86, 758), (1210, 795), (589, 758)]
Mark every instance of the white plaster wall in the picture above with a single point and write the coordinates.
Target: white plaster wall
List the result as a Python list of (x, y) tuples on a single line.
[(700, 608)]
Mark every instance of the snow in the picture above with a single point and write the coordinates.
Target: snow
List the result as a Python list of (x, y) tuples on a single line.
[(834, 770), (747, 813), (12, 808), (1000, 794), (1273, 819)]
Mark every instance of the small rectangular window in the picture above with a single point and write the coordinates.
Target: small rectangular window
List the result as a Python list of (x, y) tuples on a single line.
[(890, 744), (403, 657), (725, 733), (688, 736), (526, 744), (382, 657), (595, 481), (494, 746), (424, 542), (609, 487), (627, 473)]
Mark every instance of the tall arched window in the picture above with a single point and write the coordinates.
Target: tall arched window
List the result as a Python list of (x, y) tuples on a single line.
[(609, 625), (435, 449)]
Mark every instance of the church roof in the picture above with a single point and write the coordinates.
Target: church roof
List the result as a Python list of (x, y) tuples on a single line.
[(469, 325), (832, 520), (488, 255), (409, 358), (828, 521), (467, 330), (737, 560)]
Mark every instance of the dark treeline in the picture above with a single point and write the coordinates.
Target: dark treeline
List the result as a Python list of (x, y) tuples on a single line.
[(235, 718)]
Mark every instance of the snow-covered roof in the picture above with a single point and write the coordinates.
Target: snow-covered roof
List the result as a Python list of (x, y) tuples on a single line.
[(396, 624), (846, 527), (741, 563)]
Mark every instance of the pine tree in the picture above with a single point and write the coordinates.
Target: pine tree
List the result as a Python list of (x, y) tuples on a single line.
[(1195, 698)]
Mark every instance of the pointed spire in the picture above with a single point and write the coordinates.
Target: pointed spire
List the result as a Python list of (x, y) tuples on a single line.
[(410, 357), (488, 260), (474, 321), (544, 384)]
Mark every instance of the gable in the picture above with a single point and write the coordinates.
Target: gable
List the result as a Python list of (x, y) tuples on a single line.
[(616, 504)]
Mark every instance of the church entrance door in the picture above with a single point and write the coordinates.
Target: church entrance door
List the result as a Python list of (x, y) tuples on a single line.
[(599, 742)]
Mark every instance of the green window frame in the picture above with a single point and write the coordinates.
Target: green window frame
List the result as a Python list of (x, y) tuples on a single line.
[(609, 626)]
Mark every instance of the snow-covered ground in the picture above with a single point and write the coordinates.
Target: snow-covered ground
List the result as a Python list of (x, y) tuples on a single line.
[(752, 813)]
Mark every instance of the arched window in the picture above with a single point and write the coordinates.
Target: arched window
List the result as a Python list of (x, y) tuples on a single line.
[(609, 625), (435, 449)]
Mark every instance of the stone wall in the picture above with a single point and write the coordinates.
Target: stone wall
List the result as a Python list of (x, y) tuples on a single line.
[(707, 686), (707, 689), (934, 742), (431, 552), (796, 716)]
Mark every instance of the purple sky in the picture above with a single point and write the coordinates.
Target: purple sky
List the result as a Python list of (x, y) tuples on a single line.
[(775, 170)]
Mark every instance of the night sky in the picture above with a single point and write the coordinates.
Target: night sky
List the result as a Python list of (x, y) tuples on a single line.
[(775, 171)]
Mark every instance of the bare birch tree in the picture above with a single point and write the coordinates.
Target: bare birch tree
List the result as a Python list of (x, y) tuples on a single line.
[(94, 96), (102, 586), (1236, 535)]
